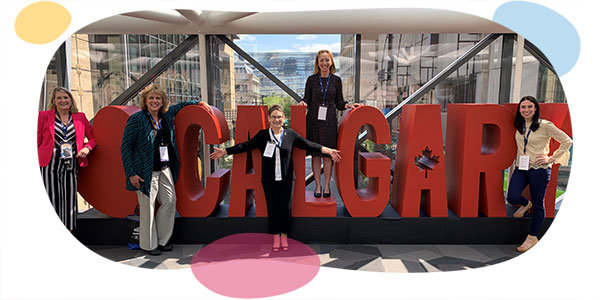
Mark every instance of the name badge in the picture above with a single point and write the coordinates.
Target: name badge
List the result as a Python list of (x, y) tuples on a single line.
[(66, 151), (322, 113), (164, 153), (269, 150), (523, 162)]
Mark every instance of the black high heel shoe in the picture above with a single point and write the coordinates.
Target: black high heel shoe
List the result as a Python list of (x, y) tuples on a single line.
[(317, 194), (327, 195)]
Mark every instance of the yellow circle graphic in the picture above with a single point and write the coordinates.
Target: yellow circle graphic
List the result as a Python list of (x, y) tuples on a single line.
[(42, 22)]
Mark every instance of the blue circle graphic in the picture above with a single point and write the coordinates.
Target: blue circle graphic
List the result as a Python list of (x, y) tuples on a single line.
[(552, 33)]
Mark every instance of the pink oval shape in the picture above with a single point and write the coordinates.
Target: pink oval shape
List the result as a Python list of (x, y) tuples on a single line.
[(244, 266)]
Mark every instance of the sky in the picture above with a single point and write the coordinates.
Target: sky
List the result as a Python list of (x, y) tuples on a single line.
[(288, 42)]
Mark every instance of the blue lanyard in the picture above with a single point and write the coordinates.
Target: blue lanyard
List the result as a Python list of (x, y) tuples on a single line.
[(63, 126), (324, 93), (526, 138), (158, 126), (275, 137), (154, 122)]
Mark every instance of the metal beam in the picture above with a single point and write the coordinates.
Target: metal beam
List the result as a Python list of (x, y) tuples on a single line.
[(518, 69), (158, 16), (262, 69), (357, 59), (223, 17), (157, 70), (208, 165), (429, 85), (192, 16), (533, 50), (61, 66), (508, 43), (206, 75)]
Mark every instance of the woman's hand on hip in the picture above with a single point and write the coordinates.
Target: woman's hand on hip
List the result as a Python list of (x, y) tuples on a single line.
[(543, 160), (136, 181), (83, 153)]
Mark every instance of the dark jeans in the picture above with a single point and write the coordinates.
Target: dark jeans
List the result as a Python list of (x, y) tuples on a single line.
[(278, 195), (537, 179)]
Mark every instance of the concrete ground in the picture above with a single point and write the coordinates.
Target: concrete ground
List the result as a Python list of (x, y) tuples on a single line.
[(373, 258)]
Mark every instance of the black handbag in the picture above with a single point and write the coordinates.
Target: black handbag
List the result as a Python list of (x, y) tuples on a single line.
[(133, 229)]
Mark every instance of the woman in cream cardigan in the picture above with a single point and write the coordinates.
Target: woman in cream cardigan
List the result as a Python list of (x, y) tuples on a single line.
[(533, 165)]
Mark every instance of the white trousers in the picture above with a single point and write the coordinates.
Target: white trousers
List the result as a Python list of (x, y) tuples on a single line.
[(157, 229)]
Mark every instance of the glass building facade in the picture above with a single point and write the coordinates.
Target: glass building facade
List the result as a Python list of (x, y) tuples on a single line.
[(104, 66), (380, 70), (392, 67)]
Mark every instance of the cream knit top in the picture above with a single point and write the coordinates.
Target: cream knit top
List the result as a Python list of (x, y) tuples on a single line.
[(539, 144)]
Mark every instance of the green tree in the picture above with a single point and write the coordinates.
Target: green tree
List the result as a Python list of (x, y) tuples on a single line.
[(285, 102)]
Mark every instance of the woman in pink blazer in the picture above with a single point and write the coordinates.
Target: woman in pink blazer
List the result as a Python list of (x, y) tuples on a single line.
[(61, 150)]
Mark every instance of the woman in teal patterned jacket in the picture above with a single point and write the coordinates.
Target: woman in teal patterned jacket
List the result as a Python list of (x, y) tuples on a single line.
[(151, 162)]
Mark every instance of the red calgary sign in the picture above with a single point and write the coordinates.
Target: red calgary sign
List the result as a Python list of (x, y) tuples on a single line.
[(465, 176)]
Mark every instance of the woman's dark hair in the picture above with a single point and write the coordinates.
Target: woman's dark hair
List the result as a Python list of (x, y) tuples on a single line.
[(535, 120), (276, 107)]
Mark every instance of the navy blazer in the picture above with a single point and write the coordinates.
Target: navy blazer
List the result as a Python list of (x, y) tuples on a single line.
[(290, 140)]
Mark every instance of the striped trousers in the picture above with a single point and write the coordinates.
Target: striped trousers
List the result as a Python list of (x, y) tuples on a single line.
[(61, 186)]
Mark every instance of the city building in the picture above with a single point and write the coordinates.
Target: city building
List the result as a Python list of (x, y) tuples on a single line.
[(378, 68), (247, 84)]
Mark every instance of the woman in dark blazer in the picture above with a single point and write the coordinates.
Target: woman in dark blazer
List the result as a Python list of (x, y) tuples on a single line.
[(61, 150), (276, 145)]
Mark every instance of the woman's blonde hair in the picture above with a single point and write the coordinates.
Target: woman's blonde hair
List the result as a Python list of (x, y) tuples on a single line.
[(52, 105), (331, 68), (156, 89)]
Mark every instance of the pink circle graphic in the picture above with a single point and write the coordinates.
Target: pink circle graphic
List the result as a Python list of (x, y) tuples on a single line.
[(245, 266)]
